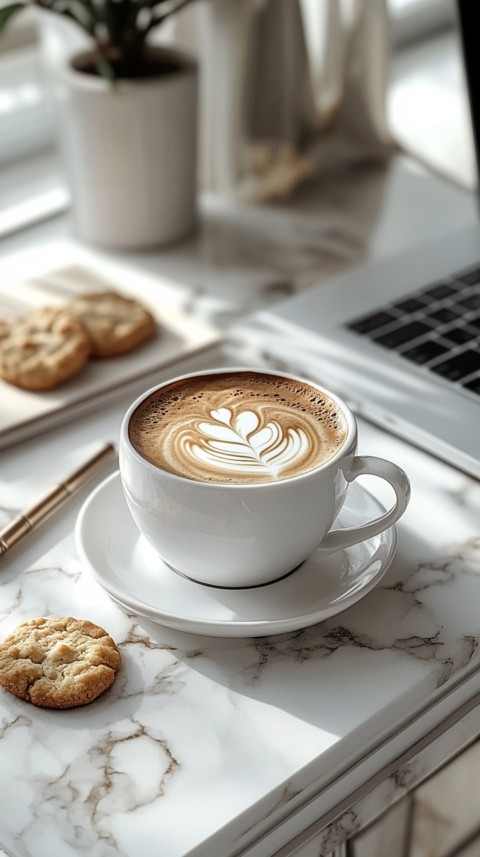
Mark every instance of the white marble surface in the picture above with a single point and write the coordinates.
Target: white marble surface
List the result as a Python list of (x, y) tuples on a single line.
[(212, 747), (225, 733)]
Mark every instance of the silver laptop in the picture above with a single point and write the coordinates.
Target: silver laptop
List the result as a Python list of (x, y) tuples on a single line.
[(400, 340)]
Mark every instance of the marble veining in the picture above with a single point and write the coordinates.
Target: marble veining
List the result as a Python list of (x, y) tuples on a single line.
[(236, 732), (217, 725), (397, 786), (203, 745)]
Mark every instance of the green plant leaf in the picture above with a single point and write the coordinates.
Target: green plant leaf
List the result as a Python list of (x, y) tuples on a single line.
[(6, 13), (162, 10), (75, 9), (105, 69)]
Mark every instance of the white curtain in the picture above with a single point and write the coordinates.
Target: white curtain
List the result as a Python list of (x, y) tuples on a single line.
[(289, 88)]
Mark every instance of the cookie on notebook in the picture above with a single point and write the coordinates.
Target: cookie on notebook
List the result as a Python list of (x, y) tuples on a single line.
[(115, 324), (58, 663), (40, 350)]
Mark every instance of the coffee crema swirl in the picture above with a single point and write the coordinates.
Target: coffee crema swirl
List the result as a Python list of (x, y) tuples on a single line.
[(238, 428)]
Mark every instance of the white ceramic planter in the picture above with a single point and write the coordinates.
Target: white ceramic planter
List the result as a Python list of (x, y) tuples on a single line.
[(130, 153)]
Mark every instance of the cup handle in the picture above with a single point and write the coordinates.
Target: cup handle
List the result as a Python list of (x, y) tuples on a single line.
[(372, 466)]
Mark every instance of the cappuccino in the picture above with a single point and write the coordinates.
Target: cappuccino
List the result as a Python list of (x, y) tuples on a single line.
[(238, 428)]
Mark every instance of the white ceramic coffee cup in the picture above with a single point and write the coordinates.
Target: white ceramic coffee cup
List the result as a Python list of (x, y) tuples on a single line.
[(246, 535)]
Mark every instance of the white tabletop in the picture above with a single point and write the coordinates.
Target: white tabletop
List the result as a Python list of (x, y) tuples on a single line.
[(213, 747)]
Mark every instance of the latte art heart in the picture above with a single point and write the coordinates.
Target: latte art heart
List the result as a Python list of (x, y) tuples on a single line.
[(238, 428), (243, 445)]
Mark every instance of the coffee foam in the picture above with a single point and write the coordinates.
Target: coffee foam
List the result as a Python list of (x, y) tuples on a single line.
[(238, 428)]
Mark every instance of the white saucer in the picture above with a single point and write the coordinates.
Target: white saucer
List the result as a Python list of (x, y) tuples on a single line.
[(125, 565)]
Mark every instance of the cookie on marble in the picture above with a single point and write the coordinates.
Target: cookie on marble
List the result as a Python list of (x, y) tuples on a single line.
[(115, 324), (40, 350), (58, 663)]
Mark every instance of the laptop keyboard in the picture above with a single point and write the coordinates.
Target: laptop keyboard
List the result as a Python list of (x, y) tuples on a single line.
[(437, 327)]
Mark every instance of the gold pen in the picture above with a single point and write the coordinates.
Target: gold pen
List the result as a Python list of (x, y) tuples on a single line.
[(49, 502)]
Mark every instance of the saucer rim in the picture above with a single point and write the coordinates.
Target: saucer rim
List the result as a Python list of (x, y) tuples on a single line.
[(231, 627)]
